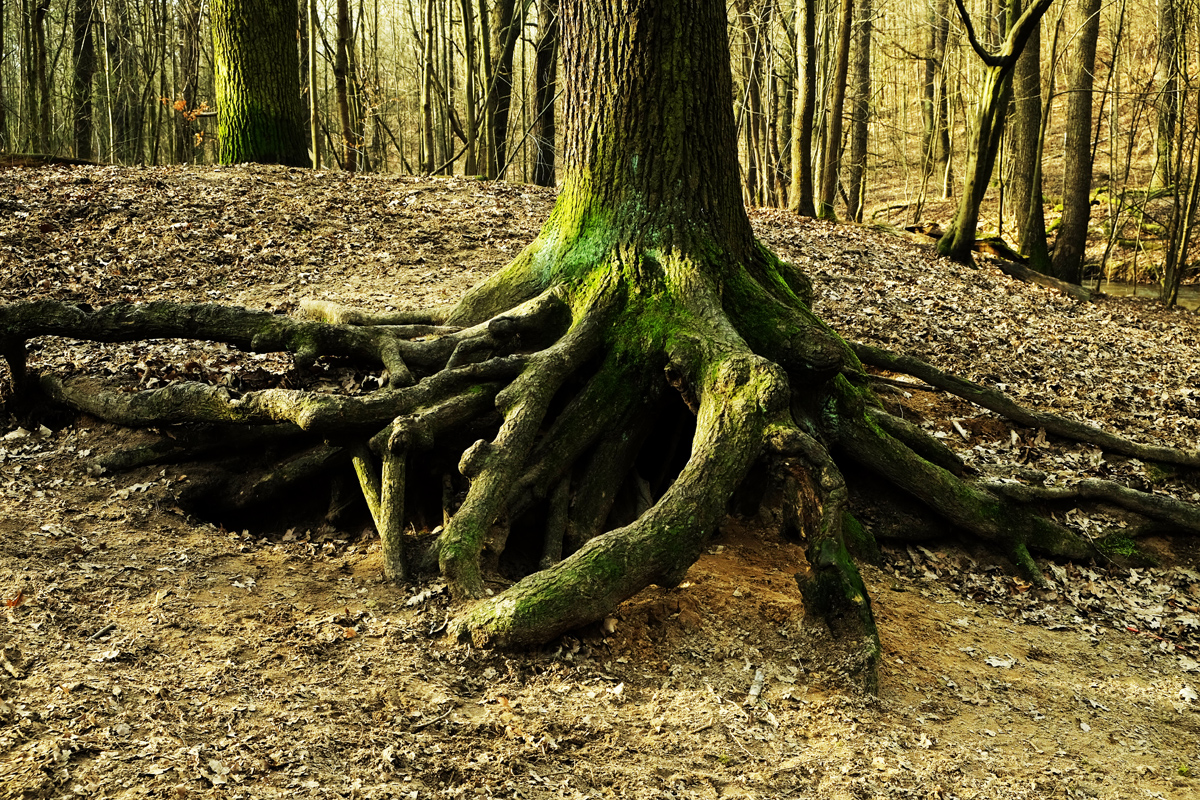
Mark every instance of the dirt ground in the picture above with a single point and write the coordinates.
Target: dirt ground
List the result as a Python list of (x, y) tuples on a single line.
[(149, 653)]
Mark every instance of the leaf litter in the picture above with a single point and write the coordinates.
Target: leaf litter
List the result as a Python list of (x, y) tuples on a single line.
[(149, 654)]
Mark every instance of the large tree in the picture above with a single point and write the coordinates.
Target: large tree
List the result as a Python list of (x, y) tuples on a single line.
[(260, 113), (601, 399)]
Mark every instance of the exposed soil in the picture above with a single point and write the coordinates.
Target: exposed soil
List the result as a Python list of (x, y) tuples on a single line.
[(148, 653)]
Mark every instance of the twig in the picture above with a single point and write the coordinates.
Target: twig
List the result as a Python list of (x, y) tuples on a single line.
[(112, 626), (427, 723)]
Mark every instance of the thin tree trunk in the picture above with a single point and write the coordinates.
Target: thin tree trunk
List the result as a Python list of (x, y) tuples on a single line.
[(777, 188), (5, 139), (341, 70), (429, 157), (505, 30), (987, 127), (752, 68), (546, 84), (85, 69), (859, 113), (188, 30), (470, 165), (806, 104), (40, 60), (1026, 138), (1166, 83), (935, 129), (1071, 244), (833, 143), (314, 117)]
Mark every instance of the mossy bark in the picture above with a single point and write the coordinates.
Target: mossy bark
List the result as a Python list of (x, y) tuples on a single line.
[(257, 77)]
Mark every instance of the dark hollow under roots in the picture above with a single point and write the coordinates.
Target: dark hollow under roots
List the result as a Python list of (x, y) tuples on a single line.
[(584, 441)]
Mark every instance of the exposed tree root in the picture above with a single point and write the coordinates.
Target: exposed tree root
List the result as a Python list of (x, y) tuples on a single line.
[(1005, 406), (619, 414)]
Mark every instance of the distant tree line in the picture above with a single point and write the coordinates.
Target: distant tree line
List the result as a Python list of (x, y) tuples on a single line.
[(1069, 127)]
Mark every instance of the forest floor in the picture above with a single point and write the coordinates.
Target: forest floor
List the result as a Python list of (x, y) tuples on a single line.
[(148, 653)]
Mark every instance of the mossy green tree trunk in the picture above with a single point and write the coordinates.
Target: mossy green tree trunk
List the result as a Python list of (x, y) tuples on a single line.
[(261, 116), (987, 126)]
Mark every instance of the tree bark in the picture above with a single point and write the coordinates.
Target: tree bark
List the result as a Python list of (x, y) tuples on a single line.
[(505, 30), (860, 109), (85, 68), (546, 87), (5, 138), (833, 142), (470, 162), (1071, 243), (428, 154), (261, 117), (1028, 205), (341, 77), (41, 59), (1166, 85), (987, 127), (806, 103)]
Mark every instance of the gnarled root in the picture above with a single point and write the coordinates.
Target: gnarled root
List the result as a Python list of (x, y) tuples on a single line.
[(603, 425)]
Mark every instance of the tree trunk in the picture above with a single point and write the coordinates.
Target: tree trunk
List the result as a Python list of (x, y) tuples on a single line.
[(806, 104), (341, 75), (261, 117), (5, 137), (752, 110), (314, 117), (1028, 206), (470, 164), (1071, 244), (85, 69), (546, 86), (188, 31), (1166, 85), (833, 142), (860, 99), (987, 128), (935, 137), (505, 30), (41, 60)]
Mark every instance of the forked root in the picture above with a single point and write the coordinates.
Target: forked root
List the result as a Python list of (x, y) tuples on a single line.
[(494, 467), (739, 394), (816, 507)]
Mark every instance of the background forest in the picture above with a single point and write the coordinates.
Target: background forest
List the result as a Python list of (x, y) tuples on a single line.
[(1101, 108)]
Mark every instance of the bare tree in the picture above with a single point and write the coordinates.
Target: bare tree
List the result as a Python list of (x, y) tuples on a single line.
[(833, 139), (1027, 143), (1077, 164), (860, 109), (806, 103), (546, 87), (85, 68)]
